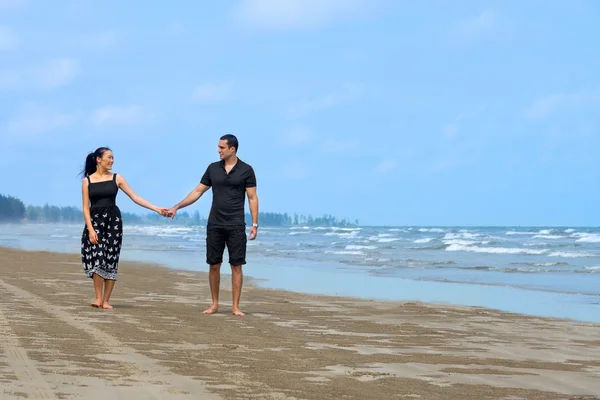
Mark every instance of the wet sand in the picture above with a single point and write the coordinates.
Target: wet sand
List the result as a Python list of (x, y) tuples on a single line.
[(157, 344)]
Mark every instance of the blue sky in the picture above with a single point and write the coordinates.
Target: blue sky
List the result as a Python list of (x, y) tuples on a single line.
[(396, 113)]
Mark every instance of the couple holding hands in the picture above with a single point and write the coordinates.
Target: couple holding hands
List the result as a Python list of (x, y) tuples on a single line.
[(231, 179)]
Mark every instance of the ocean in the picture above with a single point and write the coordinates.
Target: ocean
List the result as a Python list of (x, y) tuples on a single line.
[(540, 271)]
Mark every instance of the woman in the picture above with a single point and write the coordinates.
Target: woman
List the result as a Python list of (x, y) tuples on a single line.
[(103, 232)]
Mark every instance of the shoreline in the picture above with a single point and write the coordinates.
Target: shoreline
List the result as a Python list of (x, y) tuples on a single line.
[(156, 343), (266, 273)]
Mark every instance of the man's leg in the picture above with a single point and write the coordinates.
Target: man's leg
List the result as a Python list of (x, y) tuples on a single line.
[(237, 278), (215, 246), (214, 280), (236, 245)]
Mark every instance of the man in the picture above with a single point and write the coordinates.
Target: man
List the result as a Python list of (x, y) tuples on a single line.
[(231, 180)]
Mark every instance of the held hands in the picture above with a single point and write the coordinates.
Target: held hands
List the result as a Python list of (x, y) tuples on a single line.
[(162, 211), (167, 212), (170, 213)]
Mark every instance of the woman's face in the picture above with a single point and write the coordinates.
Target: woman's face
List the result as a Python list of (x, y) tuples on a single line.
[(106, 161)]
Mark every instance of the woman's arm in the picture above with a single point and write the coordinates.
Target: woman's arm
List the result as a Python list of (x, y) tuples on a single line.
[(124, 186), (85, 200)]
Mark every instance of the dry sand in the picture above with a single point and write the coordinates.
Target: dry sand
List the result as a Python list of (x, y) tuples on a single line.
[(156, 343)]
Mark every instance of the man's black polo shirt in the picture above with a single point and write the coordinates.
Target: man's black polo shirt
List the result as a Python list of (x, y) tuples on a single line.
[(229, 191)]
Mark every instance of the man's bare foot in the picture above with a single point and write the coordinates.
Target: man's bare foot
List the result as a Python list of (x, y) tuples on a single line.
[(97, 303), (238, 313), (211, 310), (107, 306)]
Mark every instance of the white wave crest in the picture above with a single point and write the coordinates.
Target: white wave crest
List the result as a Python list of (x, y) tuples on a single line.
[(548, 237), (343, 235), (387, 240), (463, 235), (424, 240), (493, 250), (460, 242), (570, 254), (164, 231), (347, 252), (588, 237), (548, 231), (359, 247)]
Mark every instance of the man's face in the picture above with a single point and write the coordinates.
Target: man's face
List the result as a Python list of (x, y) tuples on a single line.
[(224, 150)]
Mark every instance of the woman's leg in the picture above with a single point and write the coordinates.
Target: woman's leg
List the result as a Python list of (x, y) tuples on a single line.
[(98, 290), (108, 288)]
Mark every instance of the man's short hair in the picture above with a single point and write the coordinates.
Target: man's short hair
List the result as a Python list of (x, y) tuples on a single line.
[(231, 141)]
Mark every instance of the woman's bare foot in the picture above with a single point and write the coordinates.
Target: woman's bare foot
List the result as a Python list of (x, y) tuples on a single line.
[(97, 303), (238, 313), (211, 310), (107, 306)]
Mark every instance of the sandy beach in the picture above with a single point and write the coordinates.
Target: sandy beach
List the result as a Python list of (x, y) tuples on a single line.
[(157, 344)]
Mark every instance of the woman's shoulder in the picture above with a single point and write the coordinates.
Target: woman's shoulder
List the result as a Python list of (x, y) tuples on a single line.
[(117, 177), (87, 178)]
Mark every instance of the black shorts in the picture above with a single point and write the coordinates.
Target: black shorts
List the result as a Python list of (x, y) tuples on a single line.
[(219, 236)]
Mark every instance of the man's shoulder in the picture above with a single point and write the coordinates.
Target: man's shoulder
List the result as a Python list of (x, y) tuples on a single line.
[(244, 164), (214, 164)]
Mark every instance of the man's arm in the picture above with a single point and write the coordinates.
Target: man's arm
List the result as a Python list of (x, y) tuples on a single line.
[(203, 186), (253, 203), (189, 199)]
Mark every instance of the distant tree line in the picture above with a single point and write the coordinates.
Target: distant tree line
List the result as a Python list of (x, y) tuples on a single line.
[(13, 209), (279, 219)]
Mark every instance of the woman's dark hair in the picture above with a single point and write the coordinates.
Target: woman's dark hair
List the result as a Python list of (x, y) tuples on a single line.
[(90, 161)]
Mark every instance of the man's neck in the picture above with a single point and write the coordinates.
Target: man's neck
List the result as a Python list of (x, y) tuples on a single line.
[(231, 161)]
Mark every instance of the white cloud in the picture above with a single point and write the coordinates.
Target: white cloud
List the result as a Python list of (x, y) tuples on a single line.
[(297, 14), (8, 79), (213, 93), (484, 22), (386, 166), (33, 122), (546, 106), (8, 40), (451, 129), (472, 29), (12, 4), (56, 73), (53, 74), (175, 28), (345, 146), (349, 92), (446, 163), (295, 170), (119, 115), (297, 137), (100, 39)]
